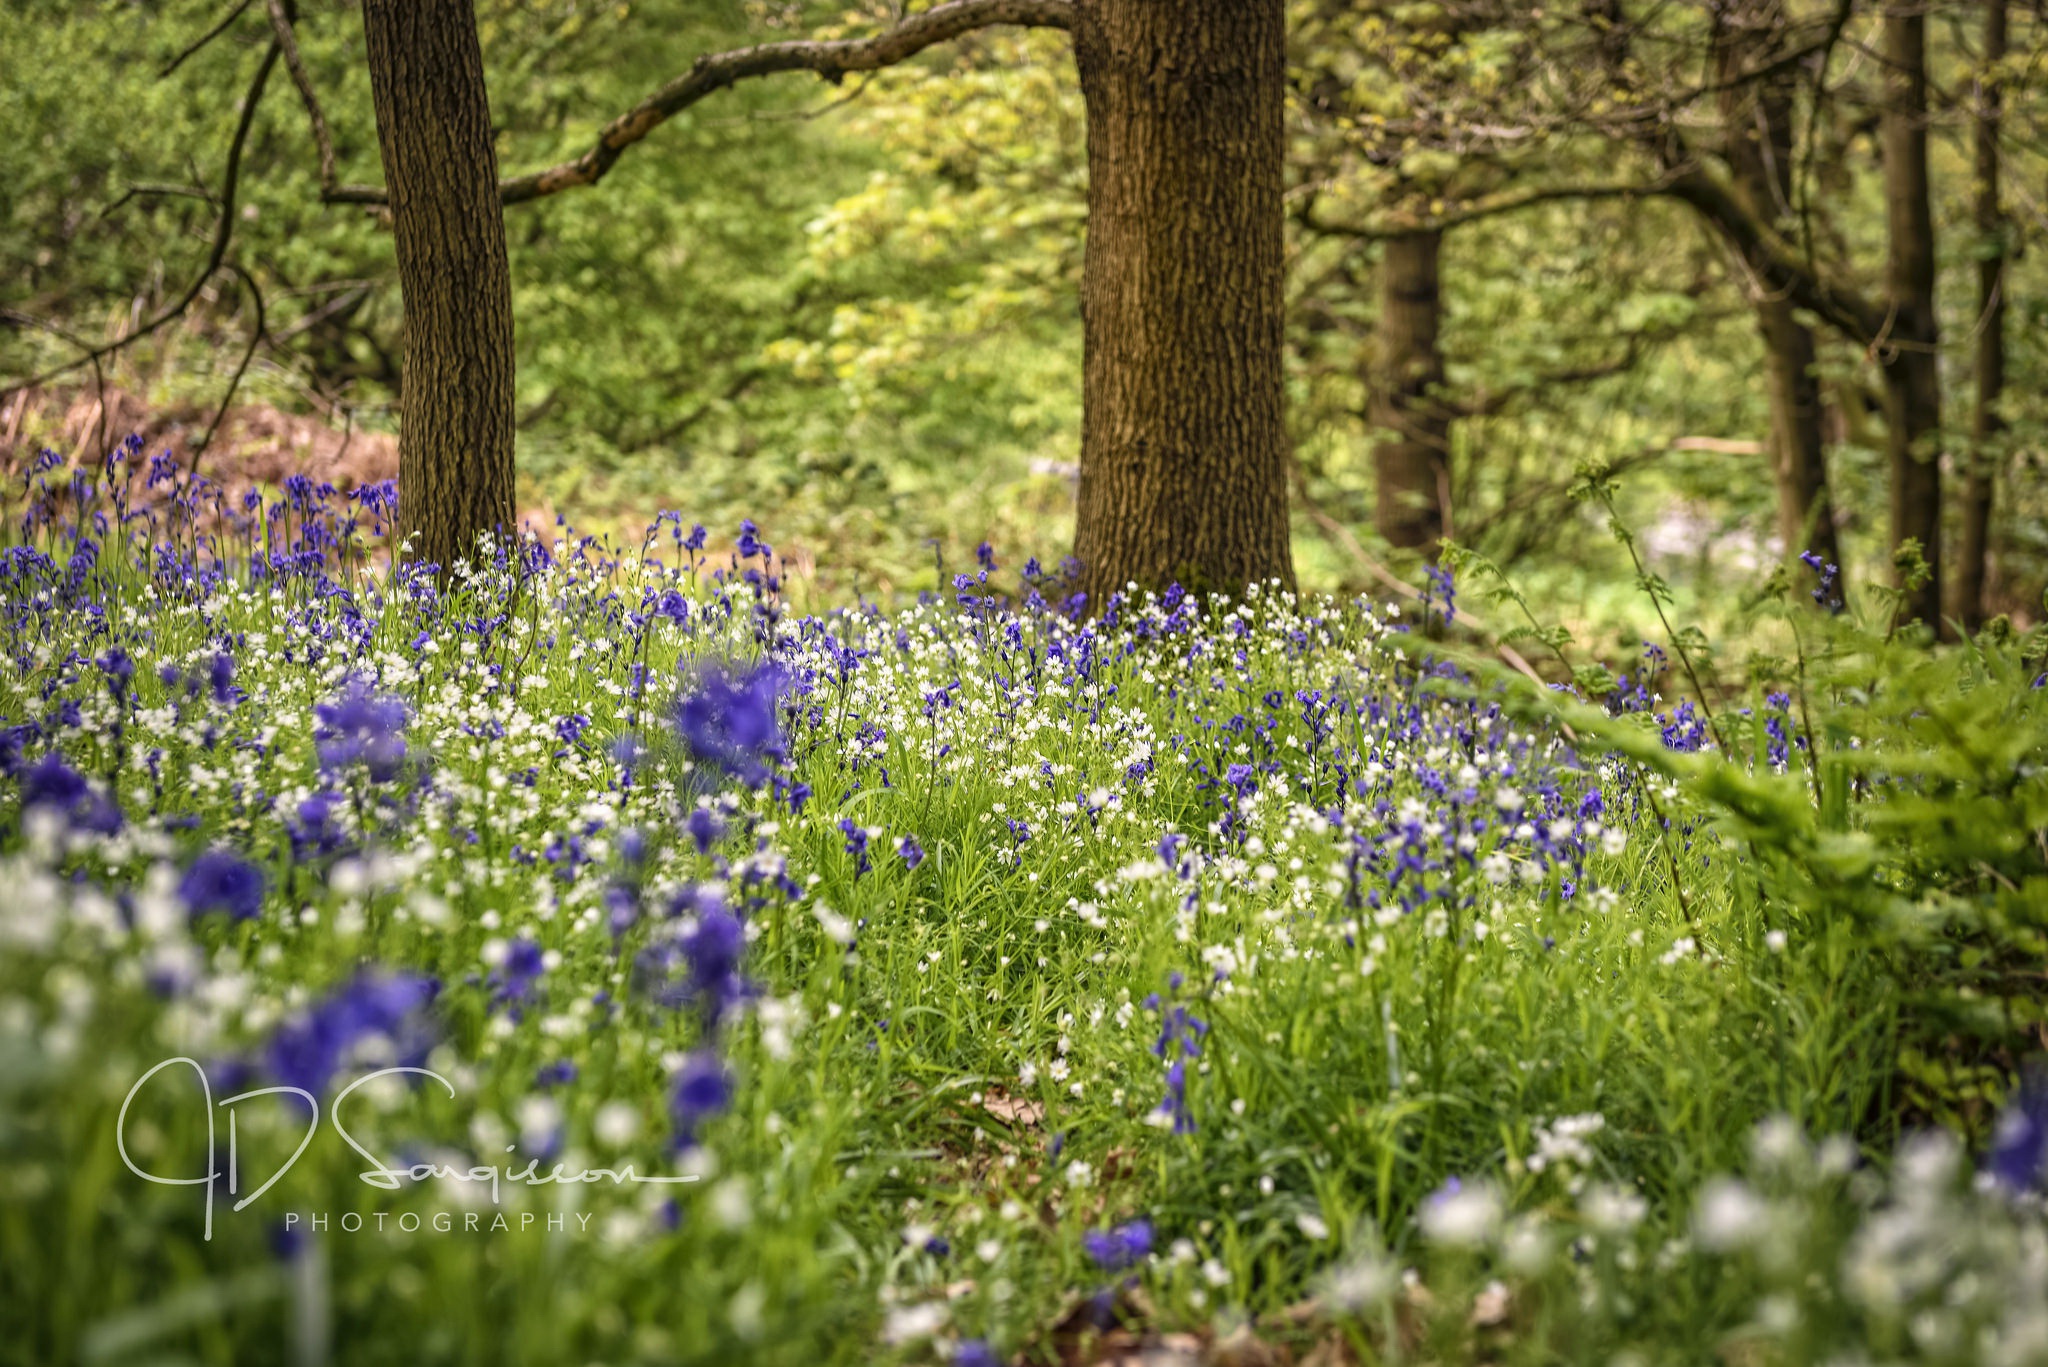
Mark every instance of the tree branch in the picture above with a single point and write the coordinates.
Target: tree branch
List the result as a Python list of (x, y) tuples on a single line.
[(288, 42), (143, 189), (256, 338), (1781, 263), (1397, 224), (714, 72), (1487, 405), (202, 40), (223, 230), (282, 14)]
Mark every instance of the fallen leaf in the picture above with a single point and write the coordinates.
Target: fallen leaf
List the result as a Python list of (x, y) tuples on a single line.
[(1013, 1110), (1491, 1306)]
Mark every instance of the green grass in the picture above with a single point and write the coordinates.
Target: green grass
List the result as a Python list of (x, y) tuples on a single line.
[(964, 1049)]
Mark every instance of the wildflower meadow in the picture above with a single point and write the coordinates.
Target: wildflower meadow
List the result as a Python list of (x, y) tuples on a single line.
[(588, 957)]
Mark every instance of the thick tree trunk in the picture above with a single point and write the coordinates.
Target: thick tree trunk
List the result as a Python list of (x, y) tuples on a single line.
[(1758, 115), (1973, 563), (1411, 460), (1183, 436), (448, 229), (1912, 375)]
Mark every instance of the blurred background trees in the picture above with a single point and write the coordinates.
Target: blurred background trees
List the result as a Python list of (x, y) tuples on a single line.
[(1689, 240)]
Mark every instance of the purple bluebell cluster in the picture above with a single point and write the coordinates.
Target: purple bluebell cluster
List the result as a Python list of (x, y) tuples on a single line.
[(731, 720), (1120, 1247), (224, 882), (856, 845), (53, 785), (909, 851), (361, 730), (702, 1089), (2019, 1143), (1180, 1039), (1827, 592), (377, 1019)]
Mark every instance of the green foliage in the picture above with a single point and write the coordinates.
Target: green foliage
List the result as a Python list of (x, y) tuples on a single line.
[(1897, 793), (1453, 929)]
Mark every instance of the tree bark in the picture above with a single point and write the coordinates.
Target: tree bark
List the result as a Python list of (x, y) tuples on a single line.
[(1411, 460), (1973, 561), (1183, 437), (1912, 376), (456, 415), (1758, 114)]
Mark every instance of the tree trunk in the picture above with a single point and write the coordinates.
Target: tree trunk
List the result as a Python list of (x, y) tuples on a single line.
[(1411, 461), (1806, 512), (1912, 375), (448, 231), (1973, 565), (1183, 437), (1758, 115)]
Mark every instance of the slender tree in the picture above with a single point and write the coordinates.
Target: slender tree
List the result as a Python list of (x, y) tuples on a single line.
[(1986, 425), (1757, 116), (1908, 342), (1183, 433), (448, 231), (1411, 460)]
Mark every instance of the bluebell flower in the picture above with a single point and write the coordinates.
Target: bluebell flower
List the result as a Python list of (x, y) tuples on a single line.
[(308, 1049), (910, 851), (704, 828), (713, 948), (856, 845), (731, 721), (975, 1353), (2019, 1144), (52, 783), (516, 976), (1119, 1247), (703, 1089), (119, 668), (1827, 592), (222, 881), (361, 728)]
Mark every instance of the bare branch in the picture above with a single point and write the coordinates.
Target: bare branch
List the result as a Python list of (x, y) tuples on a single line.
[(1488, 405), (202, 40), (282, 14), (223, 230), (1783, 265), (256, 339), (288, 42), (832, 60), (715, 72), (142, 189), (1397, 224), (99, 374)]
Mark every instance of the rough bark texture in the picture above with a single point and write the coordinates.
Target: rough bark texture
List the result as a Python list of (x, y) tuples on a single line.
[(448, 229), (1907, 351), (1411, 463), (1183, 440), (1758, 114), (1973, 562)]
